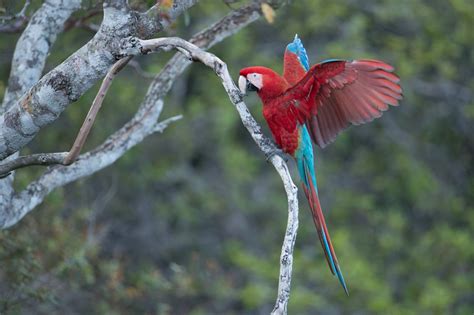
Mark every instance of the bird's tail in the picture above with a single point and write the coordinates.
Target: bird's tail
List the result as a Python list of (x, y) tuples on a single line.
[(309, 187)]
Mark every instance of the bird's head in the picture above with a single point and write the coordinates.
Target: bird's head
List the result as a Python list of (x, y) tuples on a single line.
[(266, 82)]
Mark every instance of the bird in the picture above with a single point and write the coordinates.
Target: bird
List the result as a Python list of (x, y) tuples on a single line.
[(309, 105)]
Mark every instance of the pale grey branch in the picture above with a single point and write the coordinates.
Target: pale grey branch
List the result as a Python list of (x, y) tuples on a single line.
[(28, 62), (144, 124), (162, 125), (69, 157), (140, 126), (33, 47), (135, 46), (48, 98), (33, 159), (160, 16)]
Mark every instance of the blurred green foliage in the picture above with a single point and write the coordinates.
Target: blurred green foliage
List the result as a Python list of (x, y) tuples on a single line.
[(191, 221)]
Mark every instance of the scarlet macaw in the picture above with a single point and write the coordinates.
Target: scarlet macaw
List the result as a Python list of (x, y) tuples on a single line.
[(316, 104)]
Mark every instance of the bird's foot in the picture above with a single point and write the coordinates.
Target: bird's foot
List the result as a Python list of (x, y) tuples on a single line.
[(278, 152)]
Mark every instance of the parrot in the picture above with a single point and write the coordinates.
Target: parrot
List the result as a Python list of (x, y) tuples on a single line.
[(309, 105)]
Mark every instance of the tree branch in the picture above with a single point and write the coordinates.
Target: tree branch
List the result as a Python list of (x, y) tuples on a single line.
[(135, 46), (48, 98), (92, 114), (33, 47), (28, 62), (144, 124), (160, 17), (140, 126), (19, 15), (33, 159), (71, 156), (287, 249)]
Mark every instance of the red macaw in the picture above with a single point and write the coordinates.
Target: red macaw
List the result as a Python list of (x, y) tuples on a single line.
[(316, 104)]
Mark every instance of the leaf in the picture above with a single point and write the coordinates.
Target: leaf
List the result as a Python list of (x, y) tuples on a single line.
[(165, 4), (268, 12)]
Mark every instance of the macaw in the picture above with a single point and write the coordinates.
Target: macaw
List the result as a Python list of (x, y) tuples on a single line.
[(315, 104)]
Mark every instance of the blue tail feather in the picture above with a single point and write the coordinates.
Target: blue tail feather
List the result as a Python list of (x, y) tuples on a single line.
[(305, 163)]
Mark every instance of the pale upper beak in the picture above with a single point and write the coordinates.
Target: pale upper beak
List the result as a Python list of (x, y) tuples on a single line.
[(243, 84), (252, 83)]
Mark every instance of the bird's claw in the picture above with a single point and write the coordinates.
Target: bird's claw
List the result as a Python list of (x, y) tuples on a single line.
[(278, 152)]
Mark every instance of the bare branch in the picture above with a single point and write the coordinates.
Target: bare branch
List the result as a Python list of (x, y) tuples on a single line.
[(47, 99), (17, 26), (161, 126), (33, 47), (19, 15), (140, 126), (159, 17), (34, 159), (71, 156), (135, 46), (61, 158), (71, 23), (92, 114), (286, 257), (28, 63), (144, 123)]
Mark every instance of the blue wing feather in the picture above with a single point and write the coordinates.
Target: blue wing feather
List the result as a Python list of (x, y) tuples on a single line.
[(298, 49)]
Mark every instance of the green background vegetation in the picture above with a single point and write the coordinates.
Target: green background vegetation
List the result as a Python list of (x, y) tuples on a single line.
[(191, 221)]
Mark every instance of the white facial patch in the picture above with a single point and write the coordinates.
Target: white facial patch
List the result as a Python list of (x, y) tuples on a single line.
[(255, 79)]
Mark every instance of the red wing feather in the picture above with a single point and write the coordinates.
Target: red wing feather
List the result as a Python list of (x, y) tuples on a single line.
[(341, 93)]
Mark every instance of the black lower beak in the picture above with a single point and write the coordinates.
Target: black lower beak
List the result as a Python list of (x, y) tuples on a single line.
[(251, 87)]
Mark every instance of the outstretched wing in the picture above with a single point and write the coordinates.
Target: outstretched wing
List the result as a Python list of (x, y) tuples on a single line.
[(295, 61), (337, 93)]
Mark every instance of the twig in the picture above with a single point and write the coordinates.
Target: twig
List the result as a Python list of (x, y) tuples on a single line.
[(14, 27), (66, 158), (19, 15), (19, 20), (134, 46), (34, 159), (162, 125), (92, 114), (140, 126)]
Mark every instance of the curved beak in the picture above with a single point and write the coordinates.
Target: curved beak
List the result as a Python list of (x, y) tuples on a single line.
[(243, 84)]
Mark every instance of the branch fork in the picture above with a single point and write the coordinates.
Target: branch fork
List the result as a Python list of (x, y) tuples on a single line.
[(120, 142), (137, 46)]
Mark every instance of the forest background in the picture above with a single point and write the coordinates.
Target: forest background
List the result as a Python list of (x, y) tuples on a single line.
[(191, 220)]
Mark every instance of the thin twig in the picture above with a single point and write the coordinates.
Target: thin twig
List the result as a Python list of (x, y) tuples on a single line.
[(67, 158), (134, 46), (60, 157), (162, 125), (92, 114), (19, 15), (19, 20), (17, 26), (34, 159)]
